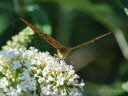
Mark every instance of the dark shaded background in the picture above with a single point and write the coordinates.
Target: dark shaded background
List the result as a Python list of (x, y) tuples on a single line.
[(102, 65)]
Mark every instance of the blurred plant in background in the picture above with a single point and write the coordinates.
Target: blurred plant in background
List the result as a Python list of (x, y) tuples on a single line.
[(103, 64)]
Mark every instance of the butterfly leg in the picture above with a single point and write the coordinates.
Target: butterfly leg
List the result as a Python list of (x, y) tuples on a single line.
[(56, 56), (59, 59)]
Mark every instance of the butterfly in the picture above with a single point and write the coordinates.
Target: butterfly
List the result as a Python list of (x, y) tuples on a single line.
[(61, 49)]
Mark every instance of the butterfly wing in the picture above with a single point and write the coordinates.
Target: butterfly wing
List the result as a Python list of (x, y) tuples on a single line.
[(46, 37), (88, 42)]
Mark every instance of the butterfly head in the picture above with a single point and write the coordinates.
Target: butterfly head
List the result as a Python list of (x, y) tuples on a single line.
[(63, 52)]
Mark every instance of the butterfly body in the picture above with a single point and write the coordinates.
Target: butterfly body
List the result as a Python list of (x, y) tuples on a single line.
[(61, 50)]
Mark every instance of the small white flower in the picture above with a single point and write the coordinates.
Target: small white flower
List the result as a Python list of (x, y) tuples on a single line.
[(41, 79), (75, 92), (82, 84), (32, 86), (27, 63), (46, 90), (2, 94), (19, 89), (46, 70), (3, 82), (10, 55), (1, 68), (39, 71), (50, 78), (16, 64), (71, 72), (64, 94), (55, 89), (60, 80), (12, 92), (70, 81), (23, 85), (36, 75)]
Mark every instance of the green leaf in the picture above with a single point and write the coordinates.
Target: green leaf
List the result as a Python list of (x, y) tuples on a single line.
[(123, 3), (120, 4), (6, 5), (102, 13), (40, 19), (4, 22), (123, 69)]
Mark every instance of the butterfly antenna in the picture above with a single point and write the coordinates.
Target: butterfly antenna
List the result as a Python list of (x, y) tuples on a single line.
[(90, 41), (46, 37)]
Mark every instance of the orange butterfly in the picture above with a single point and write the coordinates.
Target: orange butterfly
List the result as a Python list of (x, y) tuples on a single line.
[(61, 50)]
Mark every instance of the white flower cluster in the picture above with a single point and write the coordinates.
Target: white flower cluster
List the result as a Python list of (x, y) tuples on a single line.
[(21, 40), (33, 73)]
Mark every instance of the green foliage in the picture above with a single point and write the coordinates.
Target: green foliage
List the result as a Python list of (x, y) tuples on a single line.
[(123, 3), (99, 90), (74, 21), (98, 12), (4, 22)]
